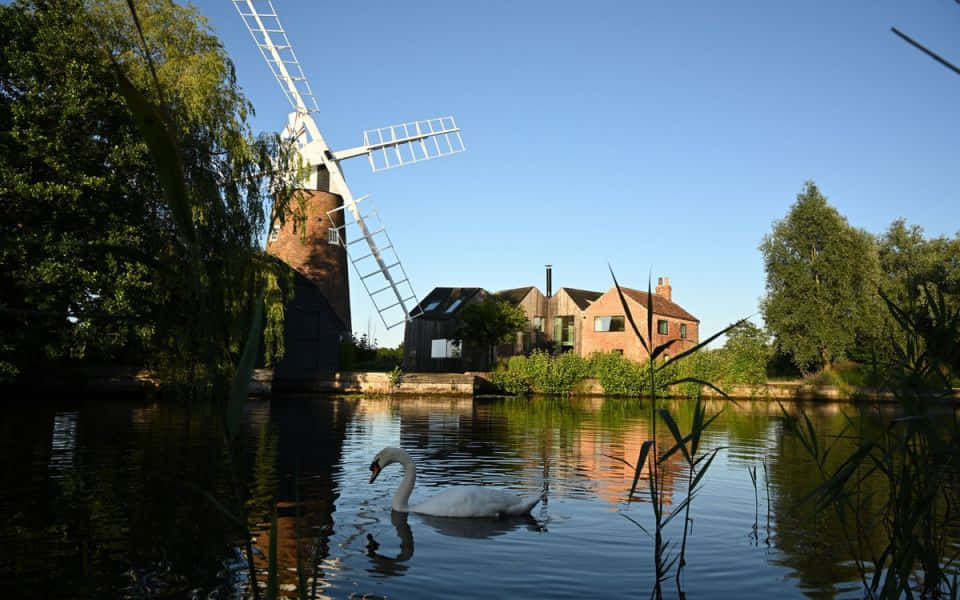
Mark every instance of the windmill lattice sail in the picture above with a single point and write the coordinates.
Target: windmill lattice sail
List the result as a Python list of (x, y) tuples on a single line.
[(385, 148), (417, 141), (376, 263)]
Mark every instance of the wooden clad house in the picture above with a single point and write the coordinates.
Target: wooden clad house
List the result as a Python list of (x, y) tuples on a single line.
[(556, 321), (430, 341)]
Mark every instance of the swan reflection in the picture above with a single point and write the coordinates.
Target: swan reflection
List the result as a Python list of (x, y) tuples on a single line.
[(481, 529)]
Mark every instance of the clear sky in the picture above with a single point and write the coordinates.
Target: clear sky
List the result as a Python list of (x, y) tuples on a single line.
[(661, 136)]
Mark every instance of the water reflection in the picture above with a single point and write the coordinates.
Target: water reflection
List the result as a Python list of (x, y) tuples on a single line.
[(102, 498), (476, 529)]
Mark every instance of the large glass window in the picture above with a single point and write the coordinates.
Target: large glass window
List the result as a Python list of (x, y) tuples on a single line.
[(662, 327), (538, 323), (441, 348), (608, 323), (563, 331)]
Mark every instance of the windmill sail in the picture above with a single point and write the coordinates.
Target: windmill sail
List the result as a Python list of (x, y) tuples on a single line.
[(385, 147), (376, 262)]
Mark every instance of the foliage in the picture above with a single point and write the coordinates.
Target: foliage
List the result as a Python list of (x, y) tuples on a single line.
[(396, 376), (542, 373), (742, 361), (489, 322), (912, 266), (362, 354), (135, 193), (821, 277), (746, 354)]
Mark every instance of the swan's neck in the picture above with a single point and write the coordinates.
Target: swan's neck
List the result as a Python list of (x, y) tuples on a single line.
[(402, 495)]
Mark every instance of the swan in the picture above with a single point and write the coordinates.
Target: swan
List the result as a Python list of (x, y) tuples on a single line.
[(462, 501)]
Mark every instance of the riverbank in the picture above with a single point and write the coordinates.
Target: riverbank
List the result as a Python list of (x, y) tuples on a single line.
[(128, 380)]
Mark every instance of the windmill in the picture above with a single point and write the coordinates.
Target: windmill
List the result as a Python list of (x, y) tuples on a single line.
[(376, 262)]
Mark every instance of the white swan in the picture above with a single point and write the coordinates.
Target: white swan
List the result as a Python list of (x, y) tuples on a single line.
[(462, 501)]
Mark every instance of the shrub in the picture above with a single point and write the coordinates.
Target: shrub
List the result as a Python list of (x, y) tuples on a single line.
[(542, 373), (619, 376)]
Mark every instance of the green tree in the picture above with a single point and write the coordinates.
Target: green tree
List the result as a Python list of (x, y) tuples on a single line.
[(822, 275), (96, 262), (746, 353), (490, 322)]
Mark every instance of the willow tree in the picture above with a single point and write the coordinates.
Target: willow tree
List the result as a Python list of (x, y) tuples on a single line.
[(112, 251), (821, 300)]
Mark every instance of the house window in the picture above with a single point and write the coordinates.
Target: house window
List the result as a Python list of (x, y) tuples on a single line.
[(456, 304), (683, 331), (333, 236), (443, 348), (618, 351), (608, 323), (431, 306), (538, 324), (662, 327), (274, 233)]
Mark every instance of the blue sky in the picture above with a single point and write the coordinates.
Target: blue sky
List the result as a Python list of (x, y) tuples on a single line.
[(653, 136)]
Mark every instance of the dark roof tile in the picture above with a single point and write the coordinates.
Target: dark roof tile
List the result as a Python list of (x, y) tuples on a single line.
[(582, 298), (441, 299)]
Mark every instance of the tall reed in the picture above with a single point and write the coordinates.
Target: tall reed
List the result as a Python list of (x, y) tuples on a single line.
[(687, 444)]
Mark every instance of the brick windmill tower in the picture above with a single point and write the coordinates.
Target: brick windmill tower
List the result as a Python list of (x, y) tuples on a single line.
[(338, 230)]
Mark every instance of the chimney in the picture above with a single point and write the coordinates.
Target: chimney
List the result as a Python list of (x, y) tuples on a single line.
[(663, 288), (549, 281)]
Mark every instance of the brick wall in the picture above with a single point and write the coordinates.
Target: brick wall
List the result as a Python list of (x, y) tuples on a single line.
[(626, 341), (322, 263)]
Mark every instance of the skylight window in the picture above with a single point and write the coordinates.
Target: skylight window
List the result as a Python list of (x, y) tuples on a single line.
[(454, 306), (431, 306)]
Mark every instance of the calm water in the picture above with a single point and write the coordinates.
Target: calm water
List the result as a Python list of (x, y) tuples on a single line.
[(112, 498)]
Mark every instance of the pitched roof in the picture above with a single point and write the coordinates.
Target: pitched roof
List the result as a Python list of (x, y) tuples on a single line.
[(661, 306), (514, 296), (442, 299), (582, 298)]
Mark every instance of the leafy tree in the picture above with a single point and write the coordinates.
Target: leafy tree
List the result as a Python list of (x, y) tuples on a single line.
[(822, 276), (490, 322), (746, 353), (97, 260)]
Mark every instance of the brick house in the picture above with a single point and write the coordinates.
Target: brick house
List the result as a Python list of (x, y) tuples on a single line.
[(608, 331)]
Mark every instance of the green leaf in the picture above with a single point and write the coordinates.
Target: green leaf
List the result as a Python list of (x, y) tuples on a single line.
[(675, 431), (641, 460), (626, 310)]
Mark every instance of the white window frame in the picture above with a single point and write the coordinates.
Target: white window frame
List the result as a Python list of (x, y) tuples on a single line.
[(441, 348)]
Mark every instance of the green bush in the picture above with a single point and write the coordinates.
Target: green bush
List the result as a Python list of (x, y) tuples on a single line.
[(512, 382), (619, 376), (541, 373)]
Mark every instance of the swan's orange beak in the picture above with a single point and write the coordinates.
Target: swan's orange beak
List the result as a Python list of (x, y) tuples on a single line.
[(374, 470)]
